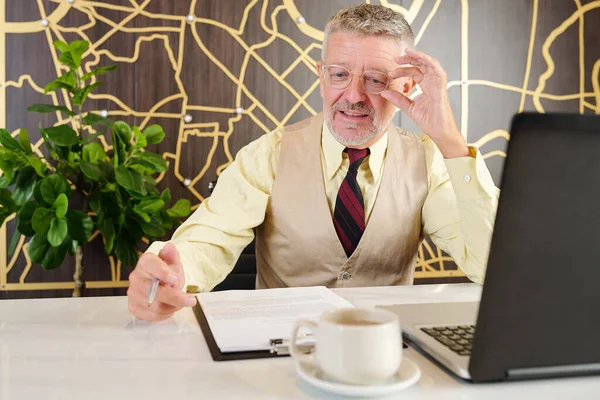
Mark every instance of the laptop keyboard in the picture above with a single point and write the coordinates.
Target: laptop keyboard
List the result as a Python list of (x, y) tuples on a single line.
[(457, 338)]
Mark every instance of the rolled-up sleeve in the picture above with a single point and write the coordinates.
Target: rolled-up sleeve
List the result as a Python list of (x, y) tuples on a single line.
[(211, 240), (460, 208)]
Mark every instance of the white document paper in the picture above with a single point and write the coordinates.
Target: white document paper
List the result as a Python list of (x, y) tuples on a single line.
[(246, 320)]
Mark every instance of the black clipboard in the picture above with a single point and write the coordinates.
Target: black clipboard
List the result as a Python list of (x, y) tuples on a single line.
[(216, 353)]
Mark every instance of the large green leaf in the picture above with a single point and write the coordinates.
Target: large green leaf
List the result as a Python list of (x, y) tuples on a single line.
[(80, 225), (126, 253), (62, 135), (60, 46), (107, 228), (47, 142), (9, 164), (82, 94), (4, 182), (98, 71), (61, 205), (119, 148), (8, 141), (49, 108), (25, 215), (94, 119), (24, 185), (94, 153), (143, 215), (7, 205), (13, 242), (123, 130), (6, 199), (68, 60), (166, 196), (141, 169), (67, 81), (24, 141), (130, 180), (152, 160), (151, 205), (91, 171), (41, 252), (108, 172), (37, 164), (168, 221), (106, 205), (37, 195), (52, 186), (77, 48), (57, 84), (58, 231), (180, 209), (154, 228), (132, 231), (64, 153), (154, 134), (41, 219), (150, 186), (140, 139)]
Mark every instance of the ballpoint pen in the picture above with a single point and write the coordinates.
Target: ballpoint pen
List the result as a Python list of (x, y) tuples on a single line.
[(152, 291)]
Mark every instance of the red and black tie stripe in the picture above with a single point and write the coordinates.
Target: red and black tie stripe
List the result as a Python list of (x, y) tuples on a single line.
[(349, 213)]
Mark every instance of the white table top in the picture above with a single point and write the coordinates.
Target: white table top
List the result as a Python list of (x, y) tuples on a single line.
[(89, 348)]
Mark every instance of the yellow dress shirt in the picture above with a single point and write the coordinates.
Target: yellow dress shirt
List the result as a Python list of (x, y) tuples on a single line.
[(458, 213)]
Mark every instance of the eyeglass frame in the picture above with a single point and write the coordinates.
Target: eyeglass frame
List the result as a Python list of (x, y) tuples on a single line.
[(387, 85)]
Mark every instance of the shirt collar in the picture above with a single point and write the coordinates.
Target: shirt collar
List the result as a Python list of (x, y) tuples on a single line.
[(332, 150)]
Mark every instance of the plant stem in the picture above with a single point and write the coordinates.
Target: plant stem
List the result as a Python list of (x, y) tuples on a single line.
[(78, 275)]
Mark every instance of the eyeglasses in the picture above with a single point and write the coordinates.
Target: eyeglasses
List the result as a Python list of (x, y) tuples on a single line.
[(373, 82)]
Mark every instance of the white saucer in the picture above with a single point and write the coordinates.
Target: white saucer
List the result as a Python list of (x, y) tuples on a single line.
[(408, 374)]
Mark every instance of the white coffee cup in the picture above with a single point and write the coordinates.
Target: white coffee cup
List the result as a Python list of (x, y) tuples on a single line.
[(353, 345)]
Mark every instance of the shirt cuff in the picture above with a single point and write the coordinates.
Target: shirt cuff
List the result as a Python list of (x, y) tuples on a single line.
[(470, 176), (155, 247)]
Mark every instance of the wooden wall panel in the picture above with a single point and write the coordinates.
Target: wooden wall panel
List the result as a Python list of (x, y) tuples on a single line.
[(501, 57)]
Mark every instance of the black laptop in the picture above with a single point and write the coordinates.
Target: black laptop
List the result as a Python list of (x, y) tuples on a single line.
[(539, 314)]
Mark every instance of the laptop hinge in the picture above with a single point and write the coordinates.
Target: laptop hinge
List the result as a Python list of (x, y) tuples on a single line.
[(557, 370)]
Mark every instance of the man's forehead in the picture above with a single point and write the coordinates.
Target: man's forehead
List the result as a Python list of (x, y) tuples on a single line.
[(352, 48)]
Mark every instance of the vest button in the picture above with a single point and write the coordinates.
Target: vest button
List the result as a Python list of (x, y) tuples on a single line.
[(345, 276)]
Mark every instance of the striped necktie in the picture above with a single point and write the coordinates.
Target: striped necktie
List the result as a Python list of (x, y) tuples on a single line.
[(349, 213)]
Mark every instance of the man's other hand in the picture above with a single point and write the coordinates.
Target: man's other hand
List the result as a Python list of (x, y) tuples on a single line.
[(168, 270)]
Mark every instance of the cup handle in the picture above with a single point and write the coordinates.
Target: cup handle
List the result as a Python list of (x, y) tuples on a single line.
[(294, 350)]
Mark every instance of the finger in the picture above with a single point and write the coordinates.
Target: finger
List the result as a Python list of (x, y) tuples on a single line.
[(398, 99), (409, 60), (174, 297), (138, 294), (166, 295), (411, 72), (170, 255), (151, 266), (426, 59), (138, 301)]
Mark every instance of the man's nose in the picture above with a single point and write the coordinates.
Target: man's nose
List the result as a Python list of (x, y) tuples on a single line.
[(354, 92)]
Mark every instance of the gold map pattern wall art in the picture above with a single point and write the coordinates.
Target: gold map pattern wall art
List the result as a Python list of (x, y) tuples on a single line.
[(235, 69)]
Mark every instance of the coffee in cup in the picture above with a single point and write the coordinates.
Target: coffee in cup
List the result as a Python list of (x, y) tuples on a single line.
[(353, 345)]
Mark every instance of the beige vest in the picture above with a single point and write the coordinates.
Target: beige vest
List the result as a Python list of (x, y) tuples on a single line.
[(297, 244)]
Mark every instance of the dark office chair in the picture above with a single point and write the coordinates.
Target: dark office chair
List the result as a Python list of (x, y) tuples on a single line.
[(243, 275)]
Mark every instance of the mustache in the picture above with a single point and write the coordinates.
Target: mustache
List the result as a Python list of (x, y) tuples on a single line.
[(358, 107)]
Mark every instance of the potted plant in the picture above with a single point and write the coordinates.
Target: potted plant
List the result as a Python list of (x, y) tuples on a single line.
[(76, 186)]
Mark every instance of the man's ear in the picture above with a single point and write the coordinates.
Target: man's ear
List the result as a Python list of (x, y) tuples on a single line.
[(321, 82)]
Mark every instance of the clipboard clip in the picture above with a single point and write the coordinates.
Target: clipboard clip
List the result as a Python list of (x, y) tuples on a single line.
[(281, 347)]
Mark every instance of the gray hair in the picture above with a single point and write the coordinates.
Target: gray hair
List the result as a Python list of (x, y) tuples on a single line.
[(370, 20)]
